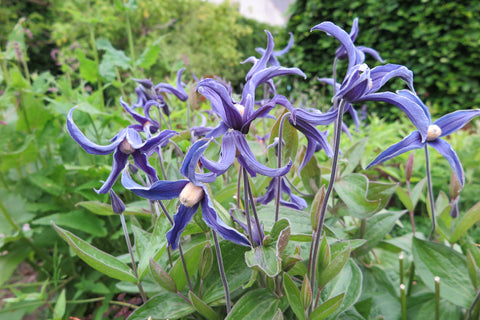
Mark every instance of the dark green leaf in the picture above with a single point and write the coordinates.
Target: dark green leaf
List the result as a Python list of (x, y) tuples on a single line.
[(201, 306), (162, 277), (165, 305)]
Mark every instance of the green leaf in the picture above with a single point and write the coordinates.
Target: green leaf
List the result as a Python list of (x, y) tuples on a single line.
[(46, 184), (96, 258), (405, 198), (417, 191), (472, 269), (76, 220), (148, 56), (192, 257), (382, 192), (162, 277), (311, 175), (165, 305), (259, 304), (88, 67), (353, 155), (352, 189), (60, 305), (264, 258), (25, 153), (293, 296), (434, 259), (202, 308), (105, 209), (290, 138), (327, 308), (10, 261), (466, 221), (333, 268), (299, 220), (378, 226)]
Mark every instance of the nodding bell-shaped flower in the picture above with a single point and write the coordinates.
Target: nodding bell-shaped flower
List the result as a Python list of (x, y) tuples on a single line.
[(125, 144), (192, 194), (444, 126)]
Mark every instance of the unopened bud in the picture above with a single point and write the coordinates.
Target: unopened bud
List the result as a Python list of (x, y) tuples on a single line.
[(455, 187), (117, 204), (126, 147), (191, 195), (206, 262), (433, 132), (306, 293), (409, 167)]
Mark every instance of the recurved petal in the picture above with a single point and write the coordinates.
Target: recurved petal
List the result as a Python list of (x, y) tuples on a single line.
[(371, 52), (227, 156), (190, 163), (287, 48), (456, 120), (157, 140), (141, 161), (217, 225), (119, 163), (382, 74), (249, 162), (411, 142), (262, 62), (340, 35), (160, 190), (88, 145), (330, 82), (179, 91), (181, 219), (414, 111), (448, 153)]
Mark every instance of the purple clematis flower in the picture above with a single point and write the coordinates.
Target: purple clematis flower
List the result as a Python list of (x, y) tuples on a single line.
[(295, 201), (444, 126), (341, 52), (273, 61), (237, 116), (362, 83), (127, 142), (192, 193), (148, 92)]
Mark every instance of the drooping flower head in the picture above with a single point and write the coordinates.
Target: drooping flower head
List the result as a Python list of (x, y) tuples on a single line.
[(295, 202), (192, 193), (442, 127), (126, 143)]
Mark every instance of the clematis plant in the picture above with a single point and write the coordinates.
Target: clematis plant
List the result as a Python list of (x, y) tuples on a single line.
[(191, 193), (126, 143), (440, 128)]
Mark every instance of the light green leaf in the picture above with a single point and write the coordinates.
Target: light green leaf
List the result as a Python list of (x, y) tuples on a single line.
[(436, 260), (105, 209), (405, 198), (333, 268), (202, 308), (353, 155), (290, 138), (60, 305), (148, 56), (96, 258), (465, 222), (327, 308), (259, 304), (293, 296), (352, 189), (88, 67), (76, 220), (165, 305), (264, 258)]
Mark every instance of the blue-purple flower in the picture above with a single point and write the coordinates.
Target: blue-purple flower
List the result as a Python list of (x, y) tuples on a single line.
[(273, 61), (295, 201), (126, 143), (341, 52), (236, 116), (192, 193), (444, 126)]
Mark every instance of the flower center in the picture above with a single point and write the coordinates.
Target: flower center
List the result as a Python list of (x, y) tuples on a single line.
[(240, 108), (126, 147), (434, 132), (191, 195)]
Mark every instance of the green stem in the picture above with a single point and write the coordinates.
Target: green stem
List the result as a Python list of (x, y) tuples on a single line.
[(130, 37), (403, 299), (279, 164), (437, 298), (472, 307), (430, 192)]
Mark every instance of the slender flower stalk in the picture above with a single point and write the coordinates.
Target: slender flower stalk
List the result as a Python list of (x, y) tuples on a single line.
[(316, 240), (430, 193), (437, 298), (279, 163), (221, 269)]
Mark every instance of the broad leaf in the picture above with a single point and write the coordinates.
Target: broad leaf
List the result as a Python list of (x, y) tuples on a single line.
[(76, 220), (259, 304), (293, 296), (327, 308), (265, 259), (165, 305), (466, 221), (352, 189)]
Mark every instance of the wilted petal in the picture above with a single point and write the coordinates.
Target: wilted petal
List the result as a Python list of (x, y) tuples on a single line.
[(446, 150), (88, 145), (342, 36), (217, 225), (456, 120), (160, 190), (119, 163), (190, 163), (181, 219), (411, 142), (412, 109), (227, 156)]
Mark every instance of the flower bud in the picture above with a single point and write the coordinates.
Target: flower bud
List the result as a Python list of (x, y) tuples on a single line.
[(434, 132), (409, 167), (117, 204), (306, 293), (206, 262), (191, 195)]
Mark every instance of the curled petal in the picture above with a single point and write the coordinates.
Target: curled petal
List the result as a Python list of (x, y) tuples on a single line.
[(141, 161), (191, 161), (181, 219), (179, 91), (261, 112), (88, 145), (227, 156), (218, 130), (411, 142), (330, 82), (217, 225), (342, 36), (157, 140), (160, 190), (134, 139), (262, 62), (382, 74), (315, 118), (119, 163), (249, 162), (456, 120), (445, 149), (287, 47), (371, 52), (138, 117), (412, 109)]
